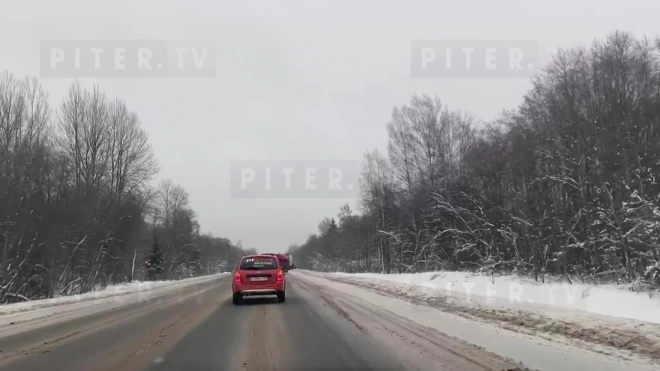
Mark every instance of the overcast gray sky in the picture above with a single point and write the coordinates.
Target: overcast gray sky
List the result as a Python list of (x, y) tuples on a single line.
[(303, 79)]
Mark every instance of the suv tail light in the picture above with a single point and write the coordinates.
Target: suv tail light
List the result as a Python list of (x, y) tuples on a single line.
[(280, 276), (237, 277)]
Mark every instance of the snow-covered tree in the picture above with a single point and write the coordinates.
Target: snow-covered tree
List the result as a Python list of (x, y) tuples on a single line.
[(154, 263)]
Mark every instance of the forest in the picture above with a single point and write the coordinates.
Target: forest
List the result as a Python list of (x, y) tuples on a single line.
[(565, 185), (78, 208)]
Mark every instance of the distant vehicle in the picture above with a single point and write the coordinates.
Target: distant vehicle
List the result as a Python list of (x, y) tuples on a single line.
[(283, 259), (291, 264), (258, 275)]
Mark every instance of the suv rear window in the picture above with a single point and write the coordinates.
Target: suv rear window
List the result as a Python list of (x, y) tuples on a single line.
[(259, 263)]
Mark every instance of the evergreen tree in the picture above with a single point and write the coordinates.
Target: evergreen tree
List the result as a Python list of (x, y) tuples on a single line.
[(333, 226), (154, 262), (194, 263)]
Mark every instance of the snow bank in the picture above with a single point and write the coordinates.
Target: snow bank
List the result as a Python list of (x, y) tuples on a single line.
[(609, 300), (546, 352), (109, 291)]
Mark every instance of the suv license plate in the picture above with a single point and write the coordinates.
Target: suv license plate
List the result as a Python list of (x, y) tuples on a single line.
[(259, 279)]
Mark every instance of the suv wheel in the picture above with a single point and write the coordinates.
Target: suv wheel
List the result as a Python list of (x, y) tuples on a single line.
[(237, 298), (281, 297)]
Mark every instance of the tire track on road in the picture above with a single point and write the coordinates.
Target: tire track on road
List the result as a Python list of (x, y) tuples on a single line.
[(318, 292), (115, 339), (449, 353)]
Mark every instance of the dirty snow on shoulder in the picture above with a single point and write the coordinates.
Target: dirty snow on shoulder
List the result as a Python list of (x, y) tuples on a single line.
[(583, 315), (102, 293), (518, 292)]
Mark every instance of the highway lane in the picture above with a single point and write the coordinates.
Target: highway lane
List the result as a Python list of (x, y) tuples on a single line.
[(200, 329)]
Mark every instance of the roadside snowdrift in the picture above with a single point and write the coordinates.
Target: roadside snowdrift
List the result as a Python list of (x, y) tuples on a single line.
[(107, 292), (535, 349), (609, 300), (597, 315)]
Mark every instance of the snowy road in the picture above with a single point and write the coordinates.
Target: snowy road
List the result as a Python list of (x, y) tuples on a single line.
[(323, 325), (200, 329)]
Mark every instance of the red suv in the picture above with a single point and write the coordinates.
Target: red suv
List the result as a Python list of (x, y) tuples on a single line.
[(259, 275)]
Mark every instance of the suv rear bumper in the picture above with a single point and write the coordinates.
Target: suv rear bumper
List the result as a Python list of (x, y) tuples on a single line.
[(259, 292), (260, 289)]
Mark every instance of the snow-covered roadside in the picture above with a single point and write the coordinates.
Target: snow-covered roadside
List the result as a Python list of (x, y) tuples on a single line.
[(36, 313), (609, 300), (535, 352), (109, 291), (526, 307)]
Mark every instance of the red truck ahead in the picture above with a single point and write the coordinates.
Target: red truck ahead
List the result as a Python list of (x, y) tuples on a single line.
[(283, 259)]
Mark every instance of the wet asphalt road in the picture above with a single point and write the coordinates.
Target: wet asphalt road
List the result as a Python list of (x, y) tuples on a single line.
[(200, 329)]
